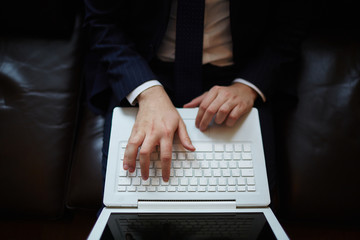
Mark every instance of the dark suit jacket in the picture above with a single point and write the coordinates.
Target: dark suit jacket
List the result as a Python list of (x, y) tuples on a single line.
[(123, 36)]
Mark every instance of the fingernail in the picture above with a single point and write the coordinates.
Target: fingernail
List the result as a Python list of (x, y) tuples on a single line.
[(131, 169), (126, 167), (166, 179)]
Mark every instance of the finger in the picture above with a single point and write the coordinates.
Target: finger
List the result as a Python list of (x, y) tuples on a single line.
[(210, 112), (145, 152), (131, 151), (235, 114), (207, 100), (184, 136), (165, 157), (195, 102), (224, 110)]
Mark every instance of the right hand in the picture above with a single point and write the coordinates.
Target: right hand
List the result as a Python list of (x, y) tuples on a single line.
[(156, 123)]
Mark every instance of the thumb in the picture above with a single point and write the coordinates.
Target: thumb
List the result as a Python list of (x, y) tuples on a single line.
[(184, 136), (195, 102)]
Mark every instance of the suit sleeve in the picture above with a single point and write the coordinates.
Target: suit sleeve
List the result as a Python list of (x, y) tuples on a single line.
[(112, 67), (283, 26)]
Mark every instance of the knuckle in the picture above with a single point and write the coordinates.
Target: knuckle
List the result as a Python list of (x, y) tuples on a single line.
[(232, 117), (216, 88), (224, 109), (144, 152), (133, 141), (202, 107), (210, 111), (166, 158), (167, 132)]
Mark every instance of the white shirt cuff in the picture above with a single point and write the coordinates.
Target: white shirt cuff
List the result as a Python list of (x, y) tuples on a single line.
[(131, 97), (240, 80)]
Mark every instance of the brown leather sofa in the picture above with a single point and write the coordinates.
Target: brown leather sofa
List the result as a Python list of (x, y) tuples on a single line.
[(50, 143)]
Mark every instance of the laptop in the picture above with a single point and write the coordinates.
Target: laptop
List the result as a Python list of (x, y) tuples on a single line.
[(220, 191)]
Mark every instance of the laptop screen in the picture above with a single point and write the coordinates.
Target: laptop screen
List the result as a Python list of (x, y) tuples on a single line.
[(189, 226)]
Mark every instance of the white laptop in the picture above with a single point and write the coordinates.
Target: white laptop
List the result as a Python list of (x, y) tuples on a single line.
[(220, 191)]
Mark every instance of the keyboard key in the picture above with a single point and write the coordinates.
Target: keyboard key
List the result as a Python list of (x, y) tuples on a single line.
[(237, 147), (203, 147), (232, 164), (172, 189), (214, 165), (247, 147), (181, 189), (247, 172), (218, 147), (201, 189), (198, 173), (192, 189), (145, 182), (122, 173), (241, 181), (195, 165), (161, 189), (246, 156), (218, 156), (200, 156), (152, 172), (155, 181), (184, 182), (188, 172), (186, 164), (176, 164), (250, 181), (245, 164), (222, 182), (231, 182), (235, 172), (217, 173), (226, 173), (141, 189), (203, 182), (136, 181), (223, 165), (229, 147), (174, 181), (209, 156), (227, 156), (181, 155), (212, 182), (124, 181), (193, 181)]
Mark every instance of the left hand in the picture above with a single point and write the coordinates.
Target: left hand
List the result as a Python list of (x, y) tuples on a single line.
[(227, 103)]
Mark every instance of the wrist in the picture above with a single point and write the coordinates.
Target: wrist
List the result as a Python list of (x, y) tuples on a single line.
[(250, 91), (153, 93)]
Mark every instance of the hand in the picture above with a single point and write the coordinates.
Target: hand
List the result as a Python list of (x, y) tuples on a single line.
[(227, 103), (156, 123)]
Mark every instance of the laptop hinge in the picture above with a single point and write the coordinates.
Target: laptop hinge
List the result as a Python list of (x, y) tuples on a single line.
[(196, 205)]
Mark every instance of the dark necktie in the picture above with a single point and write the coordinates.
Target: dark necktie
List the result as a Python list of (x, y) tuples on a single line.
[(188, 51)]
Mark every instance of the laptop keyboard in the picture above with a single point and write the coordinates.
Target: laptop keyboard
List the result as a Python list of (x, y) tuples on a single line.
[(213, 167)]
